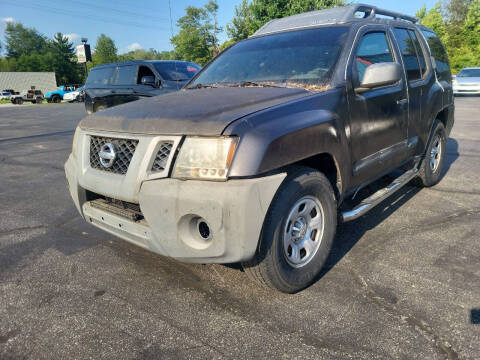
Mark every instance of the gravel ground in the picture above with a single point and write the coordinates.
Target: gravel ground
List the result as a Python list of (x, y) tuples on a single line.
[(402, 282)]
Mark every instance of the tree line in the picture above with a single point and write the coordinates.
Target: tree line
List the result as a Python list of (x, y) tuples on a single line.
[(457, 22)]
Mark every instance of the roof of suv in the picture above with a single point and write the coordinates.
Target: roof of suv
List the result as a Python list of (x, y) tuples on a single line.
[(337, 15), (132, 62)]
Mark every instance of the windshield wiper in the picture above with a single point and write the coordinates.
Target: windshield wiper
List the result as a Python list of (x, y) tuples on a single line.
[(200, 86)]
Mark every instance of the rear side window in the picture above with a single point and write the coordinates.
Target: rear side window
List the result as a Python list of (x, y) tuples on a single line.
[(373, 49), (409, 54), (439, 54), (125, 75), (101, 76), (420, 54), (176, 71)]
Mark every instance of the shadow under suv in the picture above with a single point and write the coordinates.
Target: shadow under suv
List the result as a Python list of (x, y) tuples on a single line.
[(260, 155), (113, 84)]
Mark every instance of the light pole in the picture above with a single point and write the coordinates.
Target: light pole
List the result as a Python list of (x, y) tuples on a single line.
[(84, 41)]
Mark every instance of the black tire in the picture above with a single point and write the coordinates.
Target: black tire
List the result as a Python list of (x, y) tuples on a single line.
[(56, 99), (429, 175), (38, 100), (79, 98), (19, 101), (270, 265)]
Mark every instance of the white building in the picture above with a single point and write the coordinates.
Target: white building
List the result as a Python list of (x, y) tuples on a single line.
[(20, 81)]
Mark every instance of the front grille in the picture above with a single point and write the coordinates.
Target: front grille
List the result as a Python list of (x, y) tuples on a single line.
[(124, 149), (161, 159)]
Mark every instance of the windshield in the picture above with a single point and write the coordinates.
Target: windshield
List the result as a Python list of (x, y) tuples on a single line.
[(303, 58), (177, 71), (469, 73)]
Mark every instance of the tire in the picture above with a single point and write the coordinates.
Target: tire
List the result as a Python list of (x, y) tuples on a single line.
[(290, 268), (19, 101), (56, 99), (38, 100), (79, 98), (432, 165)]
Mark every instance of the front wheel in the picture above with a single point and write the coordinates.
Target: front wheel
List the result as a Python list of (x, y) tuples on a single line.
[(432, 165), (297, 233)]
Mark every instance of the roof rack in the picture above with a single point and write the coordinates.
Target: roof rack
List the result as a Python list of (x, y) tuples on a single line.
[(337, 15)]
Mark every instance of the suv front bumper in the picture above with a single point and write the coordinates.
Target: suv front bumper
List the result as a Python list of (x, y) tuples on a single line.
[(233, 210)]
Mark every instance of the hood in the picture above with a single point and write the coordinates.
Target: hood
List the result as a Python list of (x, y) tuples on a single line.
[(204, 111), (468, 80)]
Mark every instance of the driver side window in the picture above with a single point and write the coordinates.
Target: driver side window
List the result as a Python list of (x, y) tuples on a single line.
[(373, 49)]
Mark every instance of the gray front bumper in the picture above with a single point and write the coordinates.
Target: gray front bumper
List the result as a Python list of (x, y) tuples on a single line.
[(234, 210)]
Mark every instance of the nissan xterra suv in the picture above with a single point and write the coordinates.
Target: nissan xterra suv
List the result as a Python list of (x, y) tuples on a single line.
[(259, 156)]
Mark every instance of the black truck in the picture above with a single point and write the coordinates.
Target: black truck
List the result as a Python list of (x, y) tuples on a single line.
[(258, 158)]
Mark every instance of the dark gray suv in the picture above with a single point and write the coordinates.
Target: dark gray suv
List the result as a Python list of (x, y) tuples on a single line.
[(114, 84), (259, 156)]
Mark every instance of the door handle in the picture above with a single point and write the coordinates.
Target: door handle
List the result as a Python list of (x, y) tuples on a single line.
[(402, 102), (113, 92)]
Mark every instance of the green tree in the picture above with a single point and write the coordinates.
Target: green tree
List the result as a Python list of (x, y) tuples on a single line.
[(20, 40), (433, 18), (239, 27), (471, 29), (64, 60), (105, 51), (196, 40)]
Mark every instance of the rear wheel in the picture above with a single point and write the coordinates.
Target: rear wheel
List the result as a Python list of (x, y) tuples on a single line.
[(56, 99), (297, 233), (38, 100), (19, 101), (432, 165)]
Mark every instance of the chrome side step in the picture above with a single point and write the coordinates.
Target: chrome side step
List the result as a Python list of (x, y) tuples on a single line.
[(375, 199)]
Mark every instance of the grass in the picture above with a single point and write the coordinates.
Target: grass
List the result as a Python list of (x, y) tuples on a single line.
[(4, 101)]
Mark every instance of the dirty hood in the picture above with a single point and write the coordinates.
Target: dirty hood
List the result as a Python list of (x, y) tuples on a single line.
[(204, 111)]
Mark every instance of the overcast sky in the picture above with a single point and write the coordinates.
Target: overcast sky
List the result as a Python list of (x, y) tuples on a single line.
[(146, 24)]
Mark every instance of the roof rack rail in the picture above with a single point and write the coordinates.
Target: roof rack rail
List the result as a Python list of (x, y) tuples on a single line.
[(372, 11), (336, 15)]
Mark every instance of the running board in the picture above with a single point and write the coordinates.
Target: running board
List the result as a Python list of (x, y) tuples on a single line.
[(375, 199)]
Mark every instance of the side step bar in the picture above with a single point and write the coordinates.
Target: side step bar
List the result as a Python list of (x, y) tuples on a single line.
[(375, 199)]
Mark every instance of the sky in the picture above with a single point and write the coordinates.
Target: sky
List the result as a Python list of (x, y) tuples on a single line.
[(145, 25)]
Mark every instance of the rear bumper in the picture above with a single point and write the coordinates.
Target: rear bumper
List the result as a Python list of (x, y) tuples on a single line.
[(234, 211)]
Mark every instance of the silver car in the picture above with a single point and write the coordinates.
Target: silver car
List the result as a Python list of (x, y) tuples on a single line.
[(467, 81), (5, 95)]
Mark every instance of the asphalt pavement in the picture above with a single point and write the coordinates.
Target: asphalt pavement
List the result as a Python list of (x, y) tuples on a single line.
[(403, 281)]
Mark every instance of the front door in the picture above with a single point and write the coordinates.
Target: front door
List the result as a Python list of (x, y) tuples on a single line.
[(379, 116)]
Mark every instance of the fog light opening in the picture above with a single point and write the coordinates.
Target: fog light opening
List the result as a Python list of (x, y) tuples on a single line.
[(203, 229)]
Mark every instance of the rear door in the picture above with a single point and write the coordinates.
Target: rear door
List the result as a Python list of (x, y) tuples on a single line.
[(379, 116), (98, 88), (123, 85), (420, 80)]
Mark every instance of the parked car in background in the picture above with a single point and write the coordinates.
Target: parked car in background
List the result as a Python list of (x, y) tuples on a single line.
[(467, 81), (57, 95), (5, 95), (77, 95), (34, 96), (256, 159), (113, 84)]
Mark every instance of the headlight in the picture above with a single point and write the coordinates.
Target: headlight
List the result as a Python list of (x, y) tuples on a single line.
[(454, 82), (205, 158)]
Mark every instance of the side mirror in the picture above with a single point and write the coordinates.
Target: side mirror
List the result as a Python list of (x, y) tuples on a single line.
[(148, 80), (380, 74)]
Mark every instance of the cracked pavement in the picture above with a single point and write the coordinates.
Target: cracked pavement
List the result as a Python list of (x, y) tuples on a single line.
[(402, 281)]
